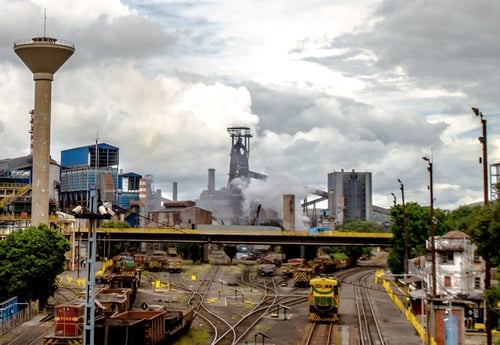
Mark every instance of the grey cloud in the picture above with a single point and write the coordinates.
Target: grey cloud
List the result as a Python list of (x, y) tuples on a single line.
[(280, 110), (129, 37), (445, 44), (291, 111)]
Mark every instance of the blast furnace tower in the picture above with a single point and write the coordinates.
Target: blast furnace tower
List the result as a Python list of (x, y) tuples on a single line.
[(43, 56), (240, 152)]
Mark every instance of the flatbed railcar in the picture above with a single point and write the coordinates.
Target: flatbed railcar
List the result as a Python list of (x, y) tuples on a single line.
[(324, 299)]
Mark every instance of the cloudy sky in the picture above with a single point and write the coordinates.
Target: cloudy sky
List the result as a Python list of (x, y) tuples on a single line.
[(324, 85)]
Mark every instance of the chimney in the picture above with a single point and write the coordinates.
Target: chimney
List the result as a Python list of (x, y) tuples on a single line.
[(174, 191), (211, 180), (289, 211)]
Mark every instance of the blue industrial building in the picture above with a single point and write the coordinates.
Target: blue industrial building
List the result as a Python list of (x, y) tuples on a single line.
[(82, 168), (86, 167), (128, 197)]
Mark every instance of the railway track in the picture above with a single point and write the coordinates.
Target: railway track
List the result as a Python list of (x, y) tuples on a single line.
[(370, 332), (261, 293), (244, 325), (271, 300), (218, 325), (224, 330), (30, 333), (321, 334)]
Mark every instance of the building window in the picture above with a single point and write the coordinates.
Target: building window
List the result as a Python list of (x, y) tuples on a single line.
[(447, 281), (477, 257), (447, 257), (477, 282)]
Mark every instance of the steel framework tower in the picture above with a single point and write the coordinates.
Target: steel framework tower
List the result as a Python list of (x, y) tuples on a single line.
[(43, 56), (240, 152)]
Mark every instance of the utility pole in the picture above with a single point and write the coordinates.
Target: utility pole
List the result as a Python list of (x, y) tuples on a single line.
[(405, 229), (432, 225), (487, 261), (430, 312)]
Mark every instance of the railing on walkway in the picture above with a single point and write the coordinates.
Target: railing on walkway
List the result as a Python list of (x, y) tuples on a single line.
[(412, 318), (22, 316)]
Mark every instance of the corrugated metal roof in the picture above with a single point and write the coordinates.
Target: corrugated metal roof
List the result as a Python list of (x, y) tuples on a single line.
[(130, 174), (99, 145), (23, 162)]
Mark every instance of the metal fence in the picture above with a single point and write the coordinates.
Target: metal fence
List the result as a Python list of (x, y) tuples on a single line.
[(17, 319)]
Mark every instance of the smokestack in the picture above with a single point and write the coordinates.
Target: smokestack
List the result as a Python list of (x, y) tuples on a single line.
[(174, 191), (289, 211), (211, 180), (43, 56)]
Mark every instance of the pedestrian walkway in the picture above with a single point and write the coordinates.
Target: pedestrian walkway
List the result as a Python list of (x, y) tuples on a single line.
[(78, 276)]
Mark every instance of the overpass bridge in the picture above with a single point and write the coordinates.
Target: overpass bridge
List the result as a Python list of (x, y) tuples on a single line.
[(244, 236)]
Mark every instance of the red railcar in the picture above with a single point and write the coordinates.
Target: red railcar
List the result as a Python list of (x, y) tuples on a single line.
[(68, 318)]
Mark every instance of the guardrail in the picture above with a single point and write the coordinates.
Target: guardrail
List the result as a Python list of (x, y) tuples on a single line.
[(17, 319), (44, 40), (412, 318)]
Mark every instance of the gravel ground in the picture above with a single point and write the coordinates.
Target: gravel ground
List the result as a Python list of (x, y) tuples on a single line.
[(278, 329), (292, 329)]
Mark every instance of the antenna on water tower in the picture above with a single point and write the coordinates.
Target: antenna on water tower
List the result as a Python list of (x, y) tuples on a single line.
[(44, 21)]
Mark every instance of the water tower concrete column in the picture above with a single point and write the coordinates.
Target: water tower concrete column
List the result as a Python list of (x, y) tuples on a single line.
[(43, 56)]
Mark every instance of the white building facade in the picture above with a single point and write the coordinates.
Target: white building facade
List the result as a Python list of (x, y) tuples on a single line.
[(460, 271)]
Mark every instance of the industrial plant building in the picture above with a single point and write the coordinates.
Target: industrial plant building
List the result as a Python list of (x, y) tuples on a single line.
[(350, 195), (133, 198), (16, 176), (87, 167)]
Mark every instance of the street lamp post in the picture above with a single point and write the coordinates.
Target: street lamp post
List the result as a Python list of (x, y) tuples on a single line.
[(483, 141), (487, 261), (394, 198), (78, 255), (405, 230), (93, 214), (432, 225)]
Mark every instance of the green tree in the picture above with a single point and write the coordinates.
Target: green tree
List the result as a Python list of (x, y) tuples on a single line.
[(230, 250), (183, 250), (417, 220), (362, 226), (272, 223), (115, 225), (355, 252), (195, 250), (485, 233), (463, 217), (30, 261)]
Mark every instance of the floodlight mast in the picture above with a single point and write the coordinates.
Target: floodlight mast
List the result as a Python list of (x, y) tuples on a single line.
[(95, 211)]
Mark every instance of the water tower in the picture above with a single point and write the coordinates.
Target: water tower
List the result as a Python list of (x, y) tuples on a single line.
[(43, 56)]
